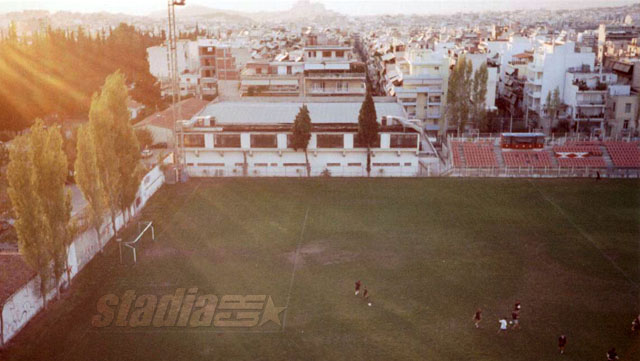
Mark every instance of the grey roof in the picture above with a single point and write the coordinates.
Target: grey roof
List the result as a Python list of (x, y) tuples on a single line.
[(284, 111)]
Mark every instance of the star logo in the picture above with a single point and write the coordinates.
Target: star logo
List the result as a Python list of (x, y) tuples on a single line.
[(271, 313)]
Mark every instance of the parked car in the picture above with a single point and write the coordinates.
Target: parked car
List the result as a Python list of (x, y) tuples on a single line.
[(161, 145)]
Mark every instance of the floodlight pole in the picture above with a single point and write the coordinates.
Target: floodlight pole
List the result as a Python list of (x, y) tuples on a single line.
[(174, 76)]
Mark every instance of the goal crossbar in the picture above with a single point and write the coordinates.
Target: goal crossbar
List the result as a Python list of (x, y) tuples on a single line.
[(132, 244)]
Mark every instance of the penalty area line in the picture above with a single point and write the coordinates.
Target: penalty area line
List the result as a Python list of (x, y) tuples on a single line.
[(295, 266), (585, 235)]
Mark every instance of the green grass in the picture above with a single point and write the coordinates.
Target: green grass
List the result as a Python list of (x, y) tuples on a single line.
[(431, 251)]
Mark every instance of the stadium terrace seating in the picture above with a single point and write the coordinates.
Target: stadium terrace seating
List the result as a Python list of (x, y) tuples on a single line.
[(479, 155), (624, 154), (591, 162), (527, 159), (457, 159), (593, 150), (594, 158)]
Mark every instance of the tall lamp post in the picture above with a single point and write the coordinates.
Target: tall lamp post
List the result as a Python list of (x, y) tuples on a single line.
[(174, 76)]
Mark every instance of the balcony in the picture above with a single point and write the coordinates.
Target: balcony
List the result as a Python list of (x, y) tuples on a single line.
[(536, 68), (335, 76), (336, 91)]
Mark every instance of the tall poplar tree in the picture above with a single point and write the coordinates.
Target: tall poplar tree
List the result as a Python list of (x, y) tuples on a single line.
[(368, 127), (29, 222), (37, 173), (301, 134), (87, 178)]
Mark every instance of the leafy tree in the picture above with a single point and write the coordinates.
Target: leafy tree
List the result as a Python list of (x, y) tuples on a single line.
[(479, 94), (459, 94), (103, 134), (301, 134), (29, 224), (368, 127), (125, 142), (87, 177), (37, 72), (145, 137), (36, 175), (552, 106), (116, 143), (50, 173)]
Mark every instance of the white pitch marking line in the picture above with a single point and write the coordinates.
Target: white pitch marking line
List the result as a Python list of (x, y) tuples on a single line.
[(295, 264), (586, 235)]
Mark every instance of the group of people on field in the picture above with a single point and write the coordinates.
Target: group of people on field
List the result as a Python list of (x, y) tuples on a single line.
[(365, 293), (515, 322), (562, 339)]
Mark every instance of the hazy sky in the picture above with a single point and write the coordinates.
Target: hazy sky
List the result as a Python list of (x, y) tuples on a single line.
[(353, 7)]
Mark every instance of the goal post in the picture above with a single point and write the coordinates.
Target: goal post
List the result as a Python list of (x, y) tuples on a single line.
[(143, 227)]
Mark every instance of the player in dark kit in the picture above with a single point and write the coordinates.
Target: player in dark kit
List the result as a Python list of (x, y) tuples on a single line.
[(612, 355), (516, 307), (357, 287), (477, 318), (515, 315), (365, 295), (635, 325), (562, 342)]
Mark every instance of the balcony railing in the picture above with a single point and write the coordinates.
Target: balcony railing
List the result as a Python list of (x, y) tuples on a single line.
[(335, 75), (337, 91)]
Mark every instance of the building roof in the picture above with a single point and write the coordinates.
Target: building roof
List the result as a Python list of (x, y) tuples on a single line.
[(164, 119), (17, 274), (284, 110)]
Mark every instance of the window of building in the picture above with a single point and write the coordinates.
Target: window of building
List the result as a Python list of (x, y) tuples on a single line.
[(386, 164), (194, 140), (340, 53), (333, 164), (358, 144), (627, 108), (326, 54), (355, 164), (625, 125), (264, 141), (403, 141), (330, 140), (227, 140), (258, 70)]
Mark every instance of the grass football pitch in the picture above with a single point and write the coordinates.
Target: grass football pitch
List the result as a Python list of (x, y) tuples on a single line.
[(430, 251)]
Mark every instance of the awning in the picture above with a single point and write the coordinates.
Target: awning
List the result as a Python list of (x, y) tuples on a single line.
[(284, 82), (313, 66), (339, 66), (255, 82)]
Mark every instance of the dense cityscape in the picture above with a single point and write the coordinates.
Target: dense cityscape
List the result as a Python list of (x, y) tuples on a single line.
[(157, 159)]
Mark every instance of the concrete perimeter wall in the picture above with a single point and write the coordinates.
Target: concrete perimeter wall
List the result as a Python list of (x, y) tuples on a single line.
[(25, 303)]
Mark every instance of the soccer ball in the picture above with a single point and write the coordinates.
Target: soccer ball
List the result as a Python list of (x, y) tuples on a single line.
[(369, 304), (511, 322)]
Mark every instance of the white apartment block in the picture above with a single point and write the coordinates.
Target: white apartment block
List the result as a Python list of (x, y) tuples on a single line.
[(420, 82), (585, 95), (547, 72), (187, 52)]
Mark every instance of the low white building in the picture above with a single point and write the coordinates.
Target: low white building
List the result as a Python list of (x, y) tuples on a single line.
[(251, 137)]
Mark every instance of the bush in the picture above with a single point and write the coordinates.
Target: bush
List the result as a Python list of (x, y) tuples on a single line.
[(145, 138)]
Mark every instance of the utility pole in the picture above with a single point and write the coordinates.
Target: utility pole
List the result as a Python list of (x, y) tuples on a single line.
[(174, 76)]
